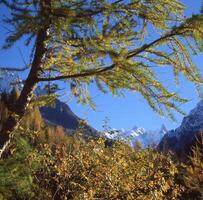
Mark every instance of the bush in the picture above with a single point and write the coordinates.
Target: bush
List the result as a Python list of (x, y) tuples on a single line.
[(78, 169), (17, 171), (192, 173), (44, 163)]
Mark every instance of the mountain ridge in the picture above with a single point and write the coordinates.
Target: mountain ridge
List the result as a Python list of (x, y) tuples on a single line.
[(181, 139), (145, 137), (61, 115)]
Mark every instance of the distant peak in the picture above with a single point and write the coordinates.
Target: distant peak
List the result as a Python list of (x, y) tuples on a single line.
[(146, 137), (197, 109), (184, 137), (8, 80), (135, 128), (163, 130), (200, 104), (163, 127)]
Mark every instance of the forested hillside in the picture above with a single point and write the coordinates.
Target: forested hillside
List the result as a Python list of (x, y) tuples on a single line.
[(44, 163)]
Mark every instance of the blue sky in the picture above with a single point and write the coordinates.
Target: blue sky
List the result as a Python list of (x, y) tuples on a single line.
[(127, 112)]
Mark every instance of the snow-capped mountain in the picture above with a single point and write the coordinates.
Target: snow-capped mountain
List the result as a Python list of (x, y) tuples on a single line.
[(145, 137), (8, 80), (182, 138)]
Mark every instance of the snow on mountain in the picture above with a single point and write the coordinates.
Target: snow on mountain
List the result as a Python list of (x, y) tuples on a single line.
[(8, 80), (182, 138), (145, 137)]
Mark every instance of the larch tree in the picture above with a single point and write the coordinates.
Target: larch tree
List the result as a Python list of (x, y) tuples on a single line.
[(115, 44)]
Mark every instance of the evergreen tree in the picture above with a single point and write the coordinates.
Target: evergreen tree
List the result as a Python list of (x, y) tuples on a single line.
[(137, 145), (13, 97), (107, 43), (4, 112)]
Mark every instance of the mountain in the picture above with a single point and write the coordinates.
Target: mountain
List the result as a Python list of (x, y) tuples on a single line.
[(184, 137), (9, 80), (61, 114), (145, 137)]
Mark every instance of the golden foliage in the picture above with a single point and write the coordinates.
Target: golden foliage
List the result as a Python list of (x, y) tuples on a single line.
[(42, 166), (78, 169)]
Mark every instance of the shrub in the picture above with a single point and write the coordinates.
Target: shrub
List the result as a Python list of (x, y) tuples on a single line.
[(192, 173)]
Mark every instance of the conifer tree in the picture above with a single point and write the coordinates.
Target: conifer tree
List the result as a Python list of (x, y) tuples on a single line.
[(113, 43), (137, 145), (13, 97), (4, 113)]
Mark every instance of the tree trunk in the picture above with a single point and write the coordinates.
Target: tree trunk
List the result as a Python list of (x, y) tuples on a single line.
[(25, 97)]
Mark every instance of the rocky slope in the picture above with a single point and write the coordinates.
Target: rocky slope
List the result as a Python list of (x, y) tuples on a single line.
[(184, 137), (62, 115)]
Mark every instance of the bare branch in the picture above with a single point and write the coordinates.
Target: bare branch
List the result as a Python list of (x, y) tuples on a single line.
[(14, 69), (64, 14), (82, 74), (146, 46)]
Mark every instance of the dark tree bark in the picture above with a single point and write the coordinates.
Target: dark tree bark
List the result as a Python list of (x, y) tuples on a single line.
[(26, 95)]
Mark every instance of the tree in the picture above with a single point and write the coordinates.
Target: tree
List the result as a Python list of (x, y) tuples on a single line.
[(103, 42), (137, 145)]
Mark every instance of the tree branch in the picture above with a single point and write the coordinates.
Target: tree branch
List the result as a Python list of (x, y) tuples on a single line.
[(146, 46), (82, 74), (63, 13), (14, 69), (129, 55)]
